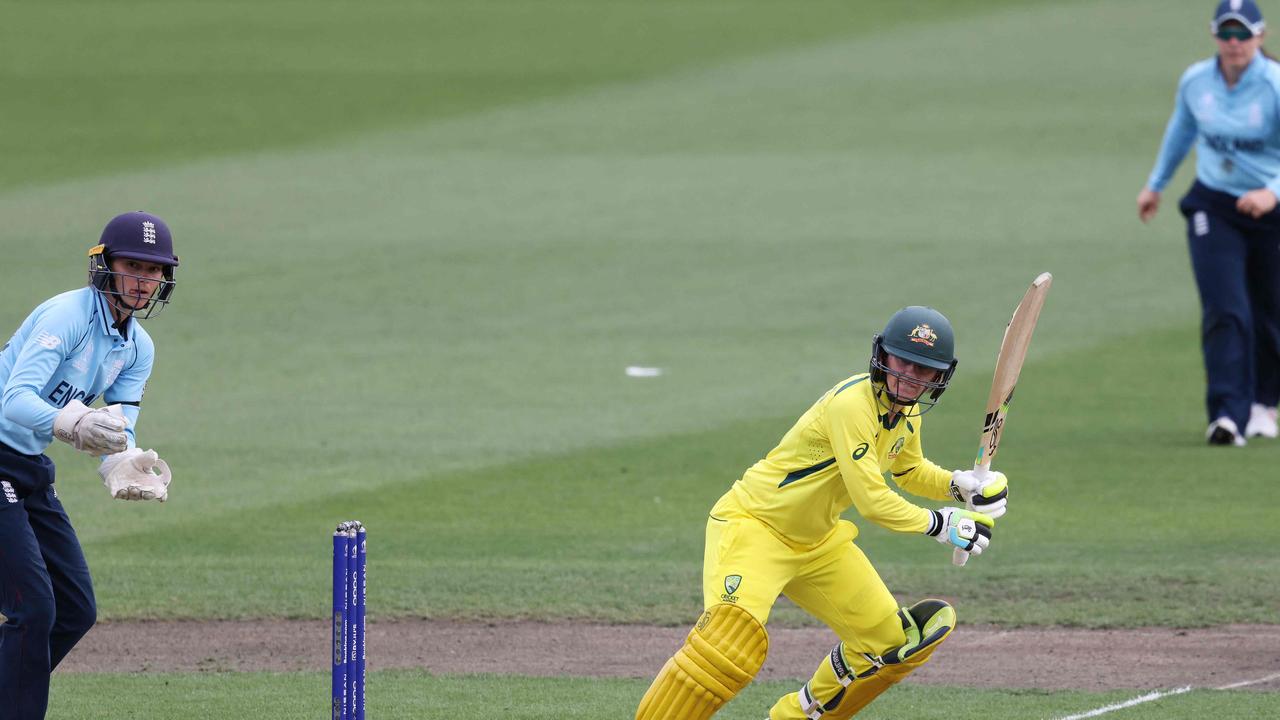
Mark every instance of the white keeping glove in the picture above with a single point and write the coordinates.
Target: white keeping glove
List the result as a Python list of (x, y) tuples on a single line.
[(984, 491), (95, 431), (136, 474)]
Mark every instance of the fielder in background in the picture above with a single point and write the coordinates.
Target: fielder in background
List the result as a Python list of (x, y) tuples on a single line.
[(778, 532), (1229, 106), (72, 349)]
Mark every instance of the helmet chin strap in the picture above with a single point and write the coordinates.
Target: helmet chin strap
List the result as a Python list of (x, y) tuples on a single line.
[(121, 313), (891, 403)]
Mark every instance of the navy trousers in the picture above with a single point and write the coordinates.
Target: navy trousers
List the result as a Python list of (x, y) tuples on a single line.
[(45, 590), (1236, 261)]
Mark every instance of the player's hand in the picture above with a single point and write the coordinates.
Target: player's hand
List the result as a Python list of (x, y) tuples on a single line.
[(1257, 203), (1148, 204), (136, 474), (96, 431), (970, 531), (984, 491)]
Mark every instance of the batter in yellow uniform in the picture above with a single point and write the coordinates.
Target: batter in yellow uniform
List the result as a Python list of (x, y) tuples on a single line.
[(778, 532)]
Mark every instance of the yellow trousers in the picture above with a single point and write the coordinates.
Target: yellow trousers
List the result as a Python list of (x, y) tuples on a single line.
[(746, 564)]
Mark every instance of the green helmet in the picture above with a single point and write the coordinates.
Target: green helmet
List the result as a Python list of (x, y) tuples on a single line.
[(920, 335)]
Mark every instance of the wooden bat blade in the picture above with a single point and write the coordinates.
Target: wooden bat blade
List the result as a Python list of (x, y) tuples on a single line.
[(1013, 351)]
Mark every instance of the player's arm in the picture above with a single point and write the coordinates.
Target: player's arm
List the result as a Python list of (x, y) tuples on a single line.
[(52, 336), (1179, 136), (126, 390), (851, 429), (134, 474), (985, 491), (917, 474)]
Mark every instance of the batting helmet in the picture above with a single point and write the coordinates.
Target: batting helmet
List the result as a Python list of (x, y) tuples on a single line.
[(920, 335)]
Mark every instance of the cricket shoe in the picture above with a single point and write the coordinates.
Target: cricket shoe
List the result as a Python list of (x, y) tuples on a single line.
[(1223, 431), (1262, 422)]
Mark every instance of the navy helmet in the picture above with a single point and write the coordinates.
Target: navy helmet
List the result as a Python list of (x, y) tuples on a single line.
[(920, 335), (135, 236)]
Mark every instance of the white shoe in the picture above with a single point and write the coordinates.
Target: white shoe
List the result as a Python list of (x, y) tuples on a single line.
[(1223, 431), (1262, 422)]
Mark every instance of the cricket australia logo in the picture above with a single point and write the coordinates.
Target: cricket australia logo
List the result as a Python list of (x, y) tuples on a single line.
[(923, 334), (148, 232), (897, 448), (731, 584)]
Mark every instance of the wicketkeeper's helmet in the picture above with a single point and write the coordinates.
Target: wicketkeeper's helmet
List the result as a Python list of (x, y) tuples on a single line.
[(920, 335), (137, 236)]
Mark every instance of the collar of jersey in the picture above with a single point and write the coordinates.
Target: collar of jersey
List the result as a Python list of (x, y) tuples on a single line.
[(104, 316), (1250, 73), (884, 421)]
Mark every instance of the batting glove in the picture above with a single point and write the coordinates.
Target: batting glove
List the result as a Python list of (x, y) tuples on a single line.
[(970, 531), (984, 491)]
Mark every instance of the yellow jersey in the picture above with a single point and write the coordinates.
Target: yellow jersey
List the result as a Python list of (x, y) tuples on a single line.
[(834, 458)]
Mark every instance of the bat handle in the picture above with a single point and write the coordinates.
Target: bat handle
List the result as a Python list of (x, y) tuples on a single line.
[(960, 557)]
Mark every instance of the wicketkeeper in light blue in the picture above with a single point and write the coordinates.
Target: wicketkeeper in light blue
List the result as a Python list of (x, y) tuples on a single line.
[(71, 350)]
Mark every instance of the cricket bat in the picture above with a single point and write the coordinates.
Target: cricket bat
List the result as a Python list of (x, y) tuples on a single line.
[(1013, 351)]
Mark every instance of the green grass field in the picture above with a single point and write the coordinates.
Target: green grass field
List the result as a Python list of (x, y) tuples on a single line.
[(421, 241), (407, 695)]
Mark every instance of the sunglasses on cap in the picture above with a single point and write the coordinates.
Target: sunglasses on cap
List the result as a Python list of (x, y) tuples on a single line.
[(1234, 32)]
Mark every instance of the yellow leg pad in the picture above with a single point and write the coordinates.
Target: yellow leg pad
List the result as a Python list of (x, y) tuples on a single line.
[(924, 635), (719, 657)]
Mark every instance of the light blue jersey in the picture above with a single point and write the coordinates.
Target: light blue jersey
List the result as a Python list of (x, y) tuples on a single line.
[(67, 349), (1236, 131)]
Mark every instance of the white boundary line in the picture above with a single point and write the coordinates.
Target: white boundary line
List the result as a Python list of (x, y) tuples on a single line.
[(1128, 703), (1232, 686), (1167, 693)]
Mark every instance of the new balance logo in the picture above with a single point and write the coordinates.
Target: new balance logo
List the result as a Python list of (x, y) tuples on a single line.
[(46, 340), (148, 232), (10, 496)]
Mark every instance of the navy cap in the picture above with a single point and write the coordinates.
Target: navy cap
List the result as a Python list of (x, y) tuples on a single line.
[(1245, 12), (139, 236)]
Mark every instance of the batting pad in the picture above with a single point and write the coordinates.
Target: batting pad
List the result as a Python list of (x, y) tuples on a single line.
[(926, 624), (722, 653)]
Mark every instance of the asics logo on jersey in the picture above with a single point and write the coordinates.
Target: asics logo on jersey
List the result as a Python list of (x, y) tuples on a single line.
[(148, 232), (65, 392)]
